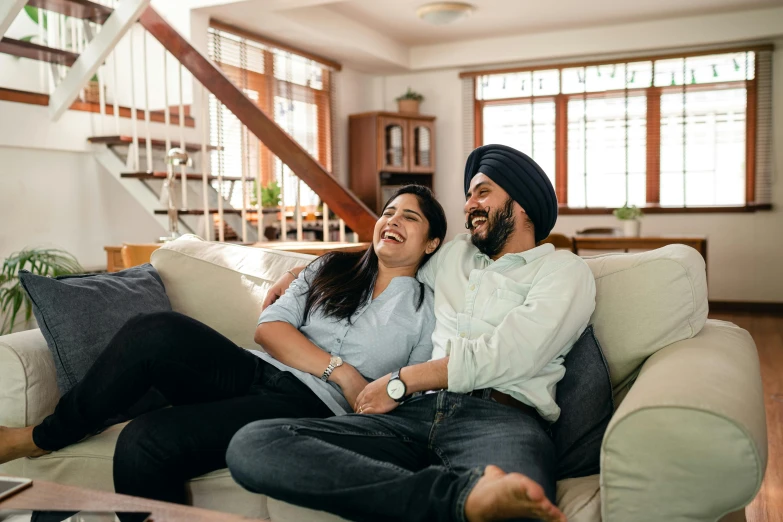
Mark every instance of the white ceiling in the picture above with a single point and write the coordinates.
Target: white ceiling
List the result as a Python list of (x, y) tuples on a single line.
[(385, 36), (397, 18)]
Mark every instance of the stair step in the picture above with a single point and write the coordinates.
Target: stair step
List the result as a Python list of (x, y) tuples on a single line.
[(190, 176), (83, 9), (200, 211), (157, 144), (34, 51)]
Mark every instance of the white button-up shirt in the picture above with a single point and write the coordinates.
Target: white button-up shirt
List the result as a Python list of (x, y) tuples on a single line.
[(508, 324)]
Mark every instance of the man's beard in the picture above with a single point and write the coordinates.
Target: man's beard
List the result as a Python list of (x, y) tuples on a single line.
[(500, 226)]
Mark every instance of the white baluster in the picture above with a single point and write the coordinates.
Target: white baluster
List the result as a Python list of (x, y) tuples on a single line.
[(283, 219), (102, 98), (116, 93), (204, 121), (45, 76), (341, 237), (147, 104), (181, 116), (242, 183), (326, 222), (134, 119), (299, 233)]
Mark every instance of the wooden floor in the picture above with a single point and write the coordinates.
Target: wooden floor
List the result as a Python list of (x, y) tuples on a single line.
[(767, 331)]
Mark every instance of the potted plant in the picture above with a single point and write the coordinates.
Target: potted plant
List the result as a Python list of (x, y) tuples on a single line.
[(409, 102), (270, 202), (42, 261), (630, 216)]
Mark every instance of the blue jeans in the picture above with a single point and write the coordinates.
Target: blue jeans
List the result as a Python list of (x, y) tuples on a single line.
[(416, 463)]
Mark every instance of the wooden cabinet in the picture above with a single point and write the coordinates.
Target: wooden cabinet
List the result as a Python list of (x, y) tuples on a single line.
[(388, 150)]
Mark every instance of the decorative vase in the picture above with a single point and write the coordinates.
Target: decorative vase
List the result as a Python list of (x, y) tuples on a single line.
[(631, 227), (409, 106)]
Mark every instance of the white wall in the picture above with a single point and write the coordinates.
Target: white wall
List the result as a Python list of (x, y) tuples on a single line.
[(745, 251)]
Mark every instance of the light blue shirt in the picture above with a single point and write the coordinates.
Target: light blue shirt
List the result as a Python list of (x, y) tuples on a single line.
[(385, 334), (508, 324)]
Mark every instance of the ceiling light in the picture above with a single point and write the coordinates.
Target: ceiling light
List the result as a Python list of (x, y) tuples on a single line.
[(442, 13)]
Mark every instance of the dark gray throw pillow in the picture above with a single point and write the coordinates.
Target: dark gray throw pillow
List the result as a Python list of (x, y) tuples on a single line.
[(78, 315), (586, 406)]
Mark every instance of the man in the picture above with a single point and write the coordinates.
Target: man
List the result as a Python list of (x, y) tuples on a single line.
[(475, 445)]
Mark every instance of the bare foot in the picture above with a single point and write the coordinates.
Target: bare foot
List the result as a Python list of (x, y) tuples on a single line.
[(16, 443), (502, 496)]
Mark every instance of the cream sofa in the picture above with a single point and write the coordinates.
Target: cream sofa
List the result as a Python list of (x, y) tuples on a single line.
[(687, 441)]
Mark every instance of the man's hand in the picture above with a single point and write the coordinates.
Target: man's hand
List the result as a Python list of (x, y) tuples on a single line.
[(374, 398), (350, 381), (278, 289)]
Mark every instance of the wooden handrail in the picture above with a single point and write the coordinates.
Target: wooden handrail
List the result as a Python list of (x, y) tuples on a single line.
[(355, 213)]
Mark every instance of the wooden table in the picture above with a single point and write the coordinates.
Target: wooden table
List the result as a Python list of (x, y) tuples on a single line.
[(612, 242), (57, 497)]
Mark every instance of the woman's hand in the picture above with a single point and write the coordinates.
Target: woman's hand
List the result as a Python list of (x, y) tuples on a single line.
[(350, 381), (374, 398), (278, 289)]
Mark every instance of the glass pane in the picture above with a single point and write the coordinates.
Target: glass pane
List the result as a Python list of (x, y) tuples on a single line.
[(639, 75), (299, 119), (497, 86), (704, 162), (296, 69), (546, 82), (393, 140), (421, 138), (528, 127), (607, 151), (573, 80), (716, 68), (605, 77), (669, 72)]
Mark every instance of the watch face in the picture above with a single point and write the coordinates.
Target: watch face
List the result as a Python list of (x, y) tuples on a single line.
[(336, 361), (395, 389)]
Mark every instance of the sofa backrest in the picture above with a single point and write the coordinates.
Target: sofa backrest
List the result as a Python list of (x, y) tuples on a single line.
[(644, 301), (220, 284)]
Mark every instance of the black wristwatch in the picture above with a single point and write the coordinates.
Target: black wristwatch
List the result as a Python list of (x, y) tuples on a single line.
[(395, 387)]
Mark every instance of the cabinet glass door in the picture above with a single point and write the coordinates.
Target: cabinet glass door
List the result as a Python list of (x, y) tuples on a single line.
[(422, 146), (393, 145)]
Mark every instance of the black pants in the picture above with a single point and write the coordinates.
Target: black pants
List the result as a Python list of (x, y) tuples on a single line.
[(214, 388)]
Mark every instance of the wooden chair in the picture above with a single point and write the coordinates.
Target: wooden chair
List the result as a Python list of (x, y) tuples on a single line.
[(560, 241), (135, 255)]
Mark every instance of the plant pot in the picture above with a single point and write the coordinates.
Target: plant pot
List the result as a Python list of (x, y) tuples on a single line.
[(631, 227), (409, 106), (92, 92)]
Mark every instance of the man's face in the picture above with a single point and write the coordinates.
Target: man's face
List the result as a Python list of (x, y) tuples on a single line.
[(489, 215)]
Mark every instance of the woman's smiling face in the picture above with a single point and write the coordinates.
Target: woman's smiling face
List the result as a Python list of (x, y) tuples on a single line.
[(401, 236)]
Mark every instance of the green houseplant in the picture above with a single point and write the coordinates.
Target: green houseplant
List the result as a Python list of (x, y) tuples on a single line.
[(409, 102), (631, 219), (48, 262)]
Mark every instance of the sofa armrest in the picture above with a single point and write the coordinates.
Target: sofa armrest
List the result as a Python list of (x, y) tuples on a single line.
[(689, 442), (28, 392)]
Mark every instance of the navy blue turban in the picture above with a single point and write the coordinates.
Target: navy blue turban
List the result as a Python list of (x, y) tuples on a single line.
[(520, 176)]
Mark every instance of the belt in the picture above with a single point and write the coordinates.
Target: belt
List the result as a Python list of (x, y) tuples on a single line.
[(506, 400)]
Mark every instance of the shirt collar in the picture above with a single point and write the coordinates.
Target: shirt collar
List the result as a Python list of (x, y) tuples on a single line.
[(528, 256)]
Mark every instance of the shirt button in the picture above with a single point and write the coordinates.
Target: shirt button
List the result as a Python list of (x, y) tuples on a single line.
[(472, 287), (339, 341), (462, 334)]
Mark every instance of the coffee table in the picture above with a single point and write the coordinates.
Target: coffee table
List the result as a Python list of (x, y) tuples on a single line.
[(51, 496)]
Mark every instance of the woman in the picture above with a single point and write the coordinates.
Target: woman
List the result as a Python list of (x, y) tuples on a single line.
[(364, 307)]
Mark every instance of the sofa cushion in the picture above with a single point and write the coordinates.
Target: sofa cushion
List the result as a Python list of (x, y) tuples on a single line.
[(645, 302), (79, 314), (578, 498), (222, 285), (586, 407)]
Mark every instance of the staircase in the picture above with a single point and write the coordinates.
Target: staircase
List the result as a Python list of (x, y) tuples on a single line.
[(136, 152)]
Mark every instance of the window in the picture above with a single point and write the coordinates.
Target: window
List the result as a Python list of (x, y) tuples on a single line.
[(663, 133), (292, 89)]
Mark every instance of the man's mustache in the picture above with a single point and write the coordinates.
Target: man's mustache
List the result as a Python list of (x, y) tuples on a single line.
[(476, 213)]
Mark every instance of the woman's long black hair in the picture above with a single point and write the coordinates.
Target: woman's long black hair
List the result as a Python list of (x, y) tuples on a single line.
[(345, 280)]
